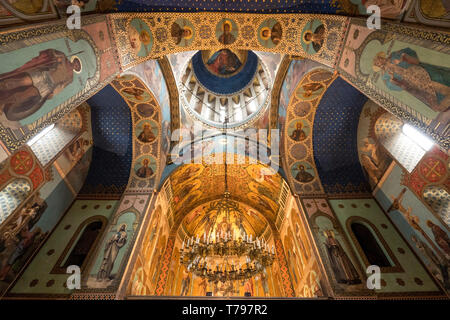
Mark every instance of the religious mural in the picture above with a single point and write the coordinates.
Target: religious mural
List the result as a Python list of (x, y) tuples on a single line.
[(373, 157), (146, 123), (140, 37), (313, 35), (182, 32), (295, 72), (32, 223), (388, 9), (319, 38), (300, 112), (192, 182), (225, 62), (430, 12), (427, 234), (44, 81), (22, 11), (270, 33), (46, 271), (337, 255), (114, 246), (412, 74), (316, 248)]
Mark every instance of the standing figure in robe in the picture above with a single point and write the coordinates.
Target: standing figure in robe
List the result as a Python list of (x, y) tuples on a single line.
[(343, 268), (24, 90), (403, 70), (112, 248)]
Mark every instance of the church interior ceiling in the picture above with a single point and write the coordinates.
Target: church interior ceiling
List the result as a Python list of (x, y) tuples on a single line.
[(248, 221), (149, 68), (194, 184), (335, 139)]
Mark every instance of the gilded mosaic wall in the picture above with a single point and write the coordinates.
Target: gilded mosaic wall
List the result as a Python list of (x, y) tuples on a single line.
[(143, 36)]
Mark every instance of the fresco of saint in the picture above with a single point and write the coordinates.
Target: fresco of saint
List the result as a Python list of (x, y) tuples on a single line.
[(223, 62), (316, 38), (179, 33), (226, 37), (274, 34), (117, 241), (435, 8), (342, 266), (19, 237), (147, 134), (371, 160), (403, 70), (303, 175), (24, 90), (145, 171), (298, 134), (311, 88), (441, 237), (388, 8)]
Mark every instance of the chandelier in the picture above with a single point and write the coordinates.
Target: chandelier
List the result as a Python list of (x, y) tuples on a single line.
[(226, 256)]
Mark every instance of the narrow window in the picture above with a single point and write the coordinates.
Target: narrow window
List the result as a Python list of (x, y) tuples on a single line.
[(84, 244), (370, 246)]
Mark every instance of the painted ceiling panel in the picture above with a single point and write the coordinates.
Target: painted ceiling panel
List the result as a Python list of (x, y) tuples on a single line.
[(194, 184), (112, 152), (335, 139)]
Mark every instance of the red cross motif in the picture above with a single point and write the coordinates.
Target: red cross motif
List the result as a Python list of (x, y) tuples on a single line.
[(433, 169), (21, 162)]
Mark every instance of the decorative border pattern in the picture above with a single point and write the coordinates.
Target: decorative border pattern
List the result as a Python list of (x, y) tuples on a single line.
[(245, 38)]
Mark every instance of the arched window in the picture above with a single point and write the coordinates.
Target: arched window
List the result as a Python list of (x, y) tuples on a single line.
[(81, 245), (12, 196), (369, 245), (84, 244)]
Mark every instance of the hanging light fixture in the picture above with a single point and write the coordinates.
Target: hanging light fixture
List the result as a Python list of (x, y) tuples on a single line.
[(226, 256)]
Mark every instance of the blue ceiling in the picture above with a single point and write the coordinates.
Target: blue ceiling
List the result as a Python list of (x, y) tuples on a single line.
[(335, 139), (112, 152), (253, 6)]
